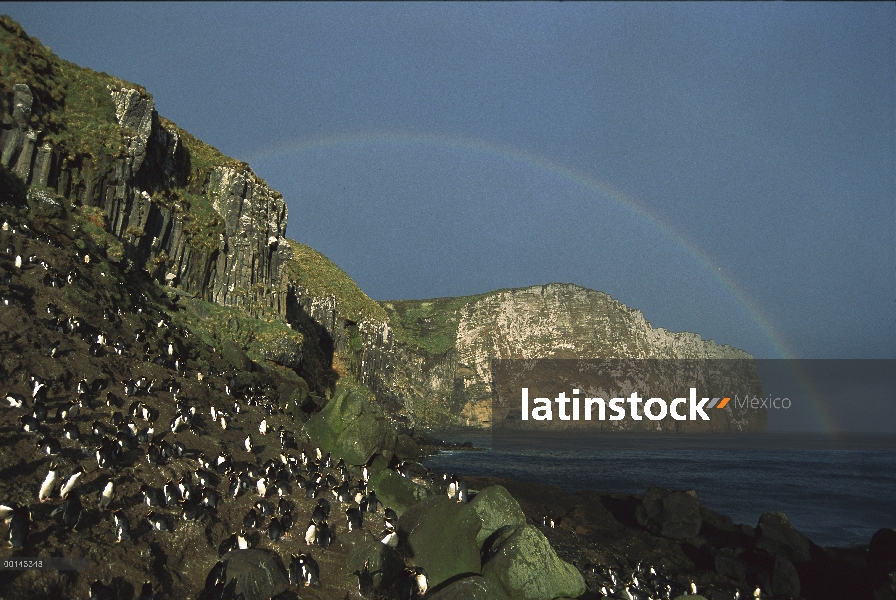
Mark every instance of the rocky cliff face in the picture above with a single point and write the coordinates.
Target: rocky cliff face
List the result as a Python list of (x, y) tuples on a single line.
[(144, 197), (207, 226), (556, 321)]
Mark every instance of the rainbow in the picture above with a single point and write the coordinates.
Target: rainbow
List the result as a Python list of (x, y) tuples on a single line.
[(605, 190)]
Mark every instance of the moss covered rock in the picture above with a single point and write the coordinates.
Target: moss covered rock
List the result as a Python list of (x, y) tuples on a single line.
[(495, 508), (471, 588), (350, 427), (385, 564), (527, 567), (397, 492), (440, 536)]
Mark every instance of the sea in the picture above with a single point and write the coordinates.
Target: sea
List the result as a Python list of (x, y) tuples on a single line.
[(834, 497)]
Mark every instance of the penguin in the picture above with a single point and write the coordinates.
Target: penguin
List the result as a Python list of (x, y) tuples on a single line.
[(283, 507), (413, 583), (72, 482), (275, 529), (49, 446), (264, 508), (15, 400), (370, 502), (263, 427), (152, 496), (49, 484), (248, 443), (189, 510), (71, 432), (365, 580), (311, 534), (324, 535), (354, 518), (40, 410), (29, 424), (229, 543), (71, 511), (157, 522), (461, 494), (261, 486), (304, 570), (320, 514), (209, 498), (421, 579), (19, 524), (250, 521), (107, 496), (389, 537), (172, 493), (391, 518)]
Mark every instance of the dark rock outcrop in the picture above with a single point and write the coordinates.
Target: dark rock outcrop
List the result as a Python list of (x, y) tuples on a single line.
[(670, 513), (256, 574)]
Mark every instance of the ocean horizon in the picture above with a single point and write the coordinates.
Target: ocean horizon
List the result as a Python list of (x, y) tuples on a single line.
[(834, 497)]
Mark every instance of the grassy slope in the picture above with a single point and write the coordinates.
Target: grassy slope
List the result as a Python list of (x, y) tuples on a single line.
[(321, 277)]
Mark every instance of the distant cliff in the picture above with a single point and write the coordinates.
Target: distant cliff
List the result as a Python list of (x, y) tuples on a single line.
[(444, 347), (207, 227)]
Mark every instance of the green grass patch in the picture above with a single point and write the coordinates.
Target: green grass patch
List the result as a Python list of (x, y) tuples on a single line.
[(321, 277), (251, 334), (431, 324)]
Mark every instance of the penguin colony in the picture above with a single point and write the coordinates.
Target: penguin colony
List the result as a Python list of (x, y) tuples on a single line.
[(129, 453), (135, 454)]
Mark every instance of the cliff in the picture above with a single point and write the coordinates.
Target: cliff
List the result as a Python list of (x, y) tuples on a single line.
[(444, 347), (210, 231)]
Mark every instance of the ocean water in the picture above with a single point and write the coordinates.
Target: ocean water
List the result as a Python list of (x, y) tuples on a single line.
[(835, 497)]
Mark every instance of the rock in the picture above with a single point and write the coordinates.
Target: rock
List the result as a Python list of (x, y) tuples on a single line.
[(495, 508), (440, 536), (882, 550), (385, 564), (785, 580), (286, 351), (395, 491), (527, 567), (406, 447), (350, 427), (727, 563), (670, 513), (776, 535), (474, 587), (256, 574)]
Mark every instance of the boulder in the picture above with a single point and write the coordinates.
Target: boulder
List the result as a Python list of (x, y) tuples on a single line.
[(495, 508), (726, 562), (385, 564), (471, 588), (440, 536), (406, 447), (882, 550), (785, 580), (350, 427), (670, 513), (256, 574), (777, 536), (527, 567), (396, 492)]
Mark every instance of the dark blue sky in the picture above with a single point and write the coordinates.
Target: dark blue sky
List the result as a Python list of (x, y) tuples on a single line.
[(728, 169)]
